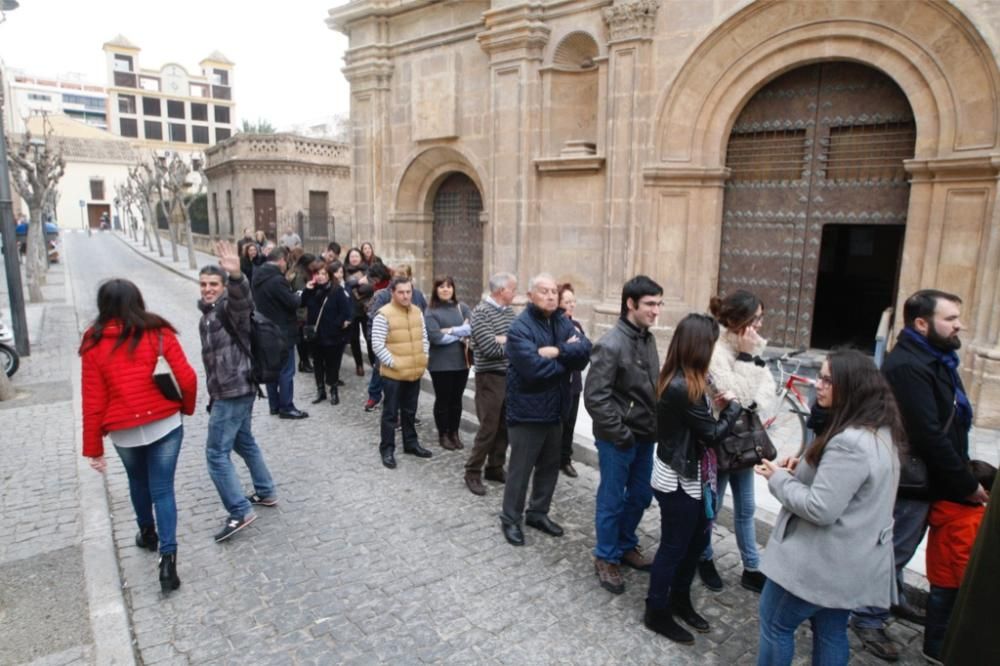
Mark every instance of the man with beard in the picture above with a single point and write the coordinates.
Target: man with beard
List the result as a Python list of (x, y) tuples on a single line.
[(923, 372)]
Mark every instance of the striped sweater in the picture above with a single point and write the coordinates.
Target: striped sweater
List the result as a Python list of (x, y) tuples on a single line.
[(488, 321)]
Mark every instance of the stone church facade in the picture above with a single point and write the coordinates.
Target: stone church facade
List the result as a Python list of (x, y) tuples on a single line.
[(831, 156)]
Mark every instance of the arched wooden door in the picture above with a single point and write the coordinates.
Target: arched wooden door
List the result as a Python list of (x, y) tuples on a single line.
[(815, 206), (458, 236)]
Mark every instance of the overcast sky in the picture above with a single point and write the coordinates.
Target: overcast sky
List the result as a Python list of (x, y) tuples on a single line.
[(287, 60)]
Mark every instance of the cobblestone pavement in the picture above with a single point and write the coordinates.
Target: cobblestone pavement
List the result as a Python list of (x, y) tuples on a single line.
[(359, 564)]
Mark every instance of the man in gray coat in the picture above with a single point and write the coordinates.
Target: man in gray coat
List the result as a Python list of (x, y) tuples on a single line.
[(620, 396)]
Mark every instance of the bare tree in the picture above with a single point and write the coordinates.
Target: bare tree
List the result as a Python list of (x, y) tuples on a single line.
[(36, 165), (145, 188), (182, 196)]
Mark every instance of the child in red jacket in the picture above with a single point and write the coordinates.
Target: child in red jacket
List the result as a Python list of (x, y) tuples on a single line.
[(953, 528)]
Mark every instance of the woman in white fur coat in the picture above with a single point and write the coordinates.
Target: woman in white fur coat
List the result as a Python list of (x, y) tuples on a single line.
[(737, 368)]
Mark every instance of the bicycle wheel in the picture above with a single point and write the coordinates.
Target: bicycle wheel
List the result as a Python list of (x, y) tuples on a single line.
[(788, 431), (9, 360)]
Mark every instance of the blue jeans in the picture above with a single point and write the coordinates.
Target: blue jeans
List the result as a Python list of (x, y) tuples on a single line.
[(939, 604), (910, 524), (375, 383), (743, 510), (684, 529), (229, 430), (280, 393), (781, 612), (622, 496), (150, 471)]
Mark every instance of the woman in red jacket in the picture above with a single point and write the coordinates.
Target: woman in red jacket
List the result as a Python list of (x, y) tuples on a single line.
[(121, 400)]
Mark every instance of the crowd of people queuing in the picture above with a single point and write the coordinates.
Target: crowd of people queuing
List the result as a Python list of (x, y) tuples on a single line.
[(847, 526)]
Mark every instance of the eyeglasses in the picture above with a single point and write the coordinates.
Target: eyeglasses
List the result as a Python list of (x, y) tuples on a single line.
[(824, 379)]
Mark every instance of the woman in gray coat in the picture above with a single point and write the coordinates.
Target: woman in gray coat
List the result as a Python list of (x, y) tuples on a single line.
[(448, 331), (831, 547)]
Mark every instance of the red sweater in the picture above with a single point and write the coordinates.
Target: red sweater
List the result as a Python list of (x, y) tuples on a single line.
[(952, 535), (118, 387)]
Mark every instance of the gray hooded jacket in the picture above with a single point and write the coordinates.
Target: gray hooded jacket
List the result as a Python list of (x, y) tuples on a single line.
[(227, 368)]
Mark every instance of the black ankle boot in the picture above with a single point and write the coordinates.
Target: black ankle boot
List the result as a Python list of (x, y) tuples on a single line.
[(681, 606), (147, 538), (168, 572), (662, 622), (334, 396), (320, 397)]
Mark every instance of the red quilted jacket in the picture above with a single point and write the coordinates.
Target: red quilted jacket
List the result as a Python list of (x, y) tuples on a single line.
[(118, 387)]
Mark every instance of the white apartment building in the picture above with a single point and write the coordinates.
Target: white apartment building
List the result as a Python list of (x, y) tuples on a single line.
[(169, 108), (29, 95)]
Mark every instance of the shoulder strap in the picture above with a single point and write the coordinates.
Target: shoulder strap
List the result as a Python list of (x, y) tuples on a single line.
[(227, 324), (160, 351), (320, 315)]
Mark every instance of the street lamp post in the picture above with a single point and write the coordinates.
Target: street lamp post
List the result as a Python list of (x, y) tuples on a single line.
[(12, 264)]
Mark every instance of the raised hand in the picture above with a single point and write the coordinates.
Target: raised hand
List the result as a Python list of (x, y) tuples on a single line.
[(229, 260)]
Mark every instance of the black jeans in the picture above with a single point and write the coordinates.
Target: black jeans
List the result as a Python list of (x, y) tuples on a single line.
[(566, 450), (448, 388), (683, 536), (326, 364), (939, 604), (400, 398), (354, 335)]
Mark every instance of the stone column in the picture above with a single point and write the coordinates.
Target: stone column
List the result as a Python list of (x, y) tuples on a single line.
[(514, 39)]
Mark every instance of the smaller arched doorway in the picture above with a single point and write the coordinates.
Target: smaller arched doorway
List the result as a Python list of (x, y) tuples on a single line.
[(458, 235)]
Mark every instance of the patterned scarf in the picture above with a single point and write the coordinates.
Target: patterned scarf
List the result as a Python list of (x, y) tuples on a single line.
[(710, 483), (951, 361)]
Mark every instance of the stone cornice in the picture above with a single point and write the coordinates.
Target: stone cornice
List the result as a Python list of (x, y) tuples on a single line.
[(954, 169), (340, 18), (518, 28), (233, 167), (371, 74), (631, 19), (569, 165), (684, 175)]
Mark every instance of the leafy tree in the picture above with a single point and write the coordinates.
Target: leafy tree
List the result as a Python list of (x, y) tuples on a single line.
[(260, 127)]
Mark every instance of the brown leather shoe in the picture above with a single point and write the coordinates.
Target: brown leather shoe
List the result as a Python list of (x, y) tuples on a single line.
[(635, 559), (610, 576), (456, 440), (444, 439), (497, 475), (569, 470), (475, 484)]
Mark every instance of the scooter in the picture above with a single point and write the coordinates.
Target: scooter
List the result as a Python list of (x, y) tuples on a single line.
[(9, 359)]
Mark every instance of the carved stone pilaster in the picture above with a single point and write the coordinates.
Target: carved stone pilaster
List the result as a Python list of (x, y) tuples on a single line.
[(631, 19), (514, 33)]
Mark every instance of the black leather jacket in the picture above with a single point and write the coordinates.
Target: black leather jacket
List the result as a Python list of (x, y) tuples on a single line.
[(685, 428), (620, 394)]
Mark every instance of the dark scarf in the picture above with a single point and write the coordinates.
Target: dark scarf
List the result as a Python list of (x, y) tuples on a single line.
[(951, 361)]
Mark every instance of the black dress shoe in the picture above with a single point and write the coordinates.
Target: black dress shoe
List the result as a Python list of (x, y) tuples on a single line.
[(687, 614), (388, 459), (418, 451), (545, 524), (320, 398), (340, 383), (513, 534), (274, 412), (334, 396), (662, 622), (293, 414)]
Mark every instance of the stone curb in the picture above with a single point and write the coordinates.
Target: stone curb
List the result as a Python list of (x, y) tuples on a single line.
[(109, 617)]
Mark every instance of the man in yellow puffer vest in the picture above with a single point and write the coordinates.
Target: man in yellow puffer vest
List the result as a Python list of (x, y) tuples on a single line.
[(399, 339)]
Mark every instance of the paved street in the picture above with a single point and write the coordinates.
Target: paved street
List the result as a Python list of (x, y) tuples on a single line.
[(357, 564)]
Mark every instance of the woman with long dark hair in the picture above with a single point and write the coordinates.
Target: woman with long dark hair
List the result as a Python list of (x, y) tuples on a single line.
[(329, 312), (448, 330), (831, 547), (250, 258), (121, 400), (356, 278), (368, 255), (737, 367), (567, 301), (684, 474)]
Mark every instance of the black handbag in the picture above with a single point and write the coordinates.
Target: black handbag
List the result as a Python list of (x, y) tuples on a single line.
[(913, 482), (746, 446), (164, 378)]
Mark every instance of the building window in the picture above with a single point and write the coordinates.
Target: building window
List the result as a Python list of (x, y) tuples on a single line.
[(97, 189), (150, 106), (175, 109), (178, 132), (222, 114), (221, 134), (215, 213), (199, 134), (128, 127), (36, 97), (229, 207), (149, 83), (199, 111), (318, 202), (123, 63), (92, 103), (126, 103), (198, 90), (154, 130), (220, 77)]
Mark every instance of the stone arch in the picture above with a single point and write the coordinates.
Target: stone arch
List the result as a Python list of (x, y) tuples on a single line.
[(929, 48), (425, 171), (577, 50)]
